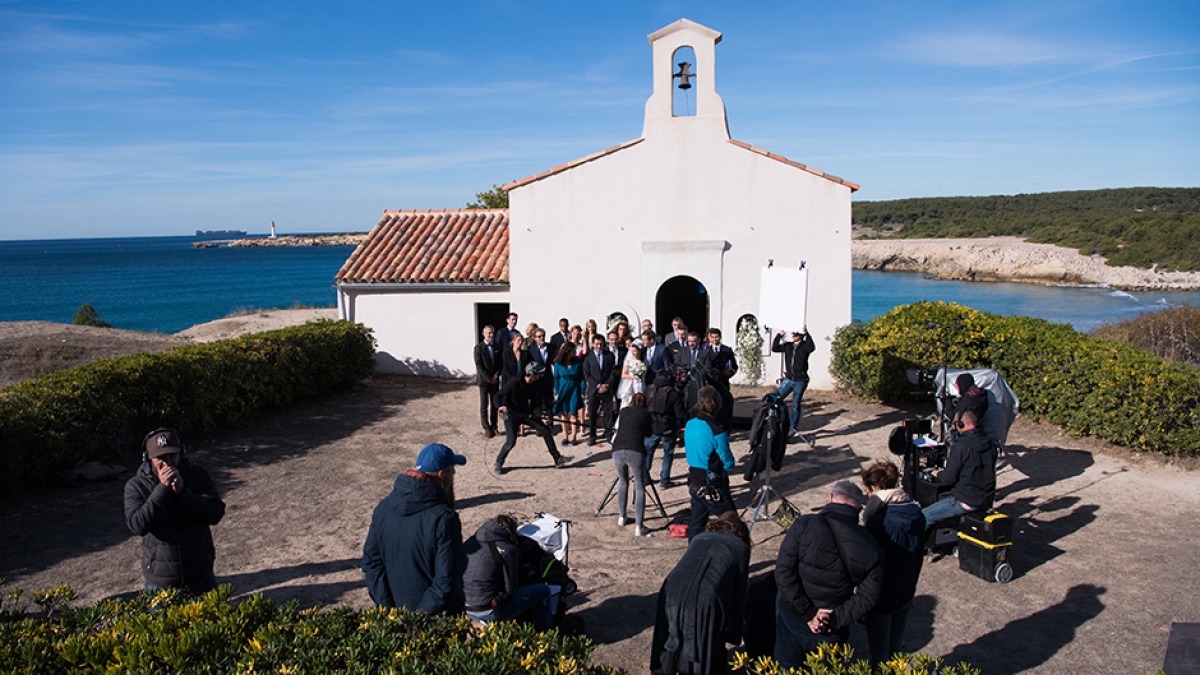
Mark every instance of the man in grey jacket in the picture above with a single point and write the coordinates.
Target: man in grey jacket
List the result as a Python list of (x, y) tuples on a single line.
[(171, 503)]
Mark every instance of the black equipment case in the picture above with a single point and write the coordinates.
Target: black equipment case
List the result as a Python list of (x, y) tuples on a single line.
[(983, 546)]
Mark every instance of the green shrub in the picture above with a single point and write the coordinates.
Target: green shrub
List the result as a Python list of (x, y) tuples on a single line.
[(87, 315), (1087, 385), (838, 659), (49, 423), (164, 633)]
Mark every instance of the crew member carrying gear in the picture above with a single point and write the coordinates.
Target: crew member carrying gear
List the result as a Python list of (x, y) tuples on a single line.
[(795, 369), (970, 472), (491, 580)]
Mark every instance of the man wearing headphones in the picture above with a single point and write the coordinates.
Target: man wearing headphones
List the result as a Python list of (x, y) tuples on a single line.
[(171, 503), (970, 472)]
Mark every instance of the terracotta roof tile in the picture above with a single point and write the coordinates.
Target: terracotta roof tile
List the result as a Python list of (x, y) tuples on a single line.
[(469, 246), (571, 164), (816, 172)]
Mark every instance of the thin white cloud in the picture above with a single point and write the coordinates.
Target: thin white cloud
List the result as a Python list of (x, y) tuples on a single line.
[(984, 49)]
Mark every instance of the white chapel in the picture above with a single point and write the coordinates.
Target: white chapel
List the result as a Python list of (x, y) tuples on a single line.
[(677, 222)]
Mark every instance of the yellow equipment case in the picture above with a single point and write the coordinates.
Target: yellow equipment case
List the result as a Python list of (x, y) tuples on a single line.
[(983, 546)]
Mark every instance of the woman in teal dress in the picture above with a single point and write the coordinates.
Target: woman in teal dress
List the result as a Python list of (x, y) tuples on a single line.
[(568, 392)]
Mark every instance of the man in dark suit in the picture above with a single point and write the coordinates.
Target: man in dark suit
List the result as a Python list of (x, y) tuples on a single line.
[(487, 377), (619, 353), (557, 340), (674, 336), (600, 378), (696, 360), (722, 357), (505, 335), (540, 352), (676, 342), (656, 356)]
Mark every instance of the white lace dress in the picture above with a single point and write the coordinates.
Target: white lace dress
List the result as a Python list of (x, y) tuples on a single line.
[(627, 388)]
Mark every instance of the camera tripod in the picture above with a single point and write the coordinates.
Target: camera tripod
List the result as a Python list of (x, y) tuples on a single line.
[(648, 485)]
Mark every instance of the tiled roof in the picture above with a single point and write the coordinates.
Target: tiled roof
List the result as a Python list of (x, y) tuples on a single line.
[(571, 164), (468, 246), (816, 172)]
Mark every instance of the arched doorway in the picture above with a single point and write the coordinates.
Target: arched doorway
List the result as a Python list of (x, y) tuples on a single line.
[(683, 297)]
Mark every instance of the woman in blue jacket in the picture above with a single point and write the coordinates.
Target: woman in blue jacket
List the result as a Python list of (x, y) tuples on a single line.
[(709, 462)]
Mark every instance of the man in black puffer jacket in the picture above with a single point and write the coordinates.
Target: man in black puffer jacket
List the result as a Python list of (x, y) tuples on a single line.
[(970, 471), (491, 582), (171, 503), (829, 573)]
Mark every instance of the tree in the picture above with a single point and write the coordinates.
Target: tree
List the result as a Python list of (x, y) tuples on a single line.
[(87, 315), (496, 198)]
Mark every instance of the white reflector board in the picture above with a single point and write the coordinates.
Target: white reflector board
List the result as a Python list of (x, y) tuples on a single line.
[(783, 299)]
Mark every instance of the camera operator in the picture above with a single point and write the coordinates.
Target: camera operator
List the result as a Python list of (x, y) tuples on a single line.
[(709, 462), (520, 402), (970, 472), (795, 369)]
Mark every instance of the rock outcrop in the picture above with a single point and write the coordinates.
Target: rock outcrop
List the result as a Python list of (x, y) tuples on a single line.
[(1011, 259), (352, 239)]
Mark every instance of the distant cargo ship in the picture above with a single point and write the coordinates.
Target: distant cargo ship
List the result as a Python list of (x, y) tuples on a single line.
[(220, 233)]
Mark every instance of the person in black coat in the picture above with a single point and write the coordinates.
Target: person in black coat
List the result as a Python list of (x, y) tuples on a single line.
[(520, 402), (490, 583), (970, 473), (629, 457), (970, 397), (413, 556), (896, 523), (600, 375), (795, 369), (171, 503), (829, 573), (488, 362), (721, 356), (667, 415), (515, 358), (656, 356), (701, 602), (562, 336), (542, 353)]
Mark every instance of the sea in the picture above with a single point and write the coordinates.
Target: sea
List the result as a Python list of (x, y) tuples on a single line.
[(164, 284)]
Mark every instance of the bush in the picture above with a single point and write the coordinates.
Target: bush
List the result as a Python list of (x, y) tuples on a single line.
[(87, 315), (836, 659), (162, 632), (1172, 334), (51, 422), (1088, 385)]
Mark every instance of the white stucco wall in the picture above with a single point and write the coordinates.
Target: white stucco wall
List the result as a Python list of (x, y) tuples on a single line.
[(609, 232), (429, 332)]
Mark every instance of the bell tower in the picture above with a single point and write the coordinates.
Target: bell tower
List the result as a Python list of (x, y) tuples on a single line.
[(696, 79)]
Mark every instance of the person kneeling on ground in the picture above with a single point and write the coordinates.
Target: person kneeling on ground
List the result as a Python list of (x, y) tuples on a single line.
[(702, 601), (970, 472), (829, 573), (518, 400), (709, 462), (171, 503), (490, 582), (896, 523)]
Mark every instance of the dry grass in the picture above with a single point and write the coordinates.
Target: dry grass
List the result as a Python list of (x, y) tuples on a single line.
[(1171, 334)]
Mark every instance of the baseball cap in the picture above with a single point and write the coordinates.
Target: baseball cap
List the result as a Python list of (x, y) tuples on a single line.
[(435, 457), (532, 369), (164, 442)]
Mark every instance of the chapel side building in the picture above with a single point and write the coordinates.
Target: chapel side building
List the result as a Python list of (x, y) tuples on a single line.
[(680, 221)]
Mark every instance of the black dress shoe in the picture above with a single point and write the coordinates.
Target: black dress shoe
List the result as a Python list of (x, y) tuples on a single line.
[(591, 442), (560, 461)]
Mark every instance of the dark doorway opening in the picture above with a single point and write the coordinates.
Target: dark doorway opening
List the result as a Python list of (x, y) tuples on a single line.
[(683, 297), (489, 314)]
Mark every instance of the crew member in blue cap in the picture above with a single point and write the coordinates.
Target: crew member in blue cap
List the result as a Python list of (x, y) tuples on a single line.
[(414, 556)]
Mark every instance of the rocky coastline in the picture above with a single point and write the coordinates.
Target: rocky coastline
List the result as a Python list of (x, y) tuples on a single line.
[(1011, 259), (344, 239)]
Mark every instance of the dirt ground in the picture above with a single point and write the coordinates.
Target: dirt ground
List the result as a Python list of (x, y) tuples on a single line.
[(1104, 548), (1104, 553)]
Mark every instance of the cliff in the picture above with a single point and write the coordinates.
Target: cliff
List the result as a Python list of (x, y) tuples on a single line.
[(1011, 259)]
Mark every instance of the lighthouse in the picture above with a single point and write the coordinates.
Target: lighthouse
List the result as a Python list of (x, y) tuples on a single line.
[(272, 229)]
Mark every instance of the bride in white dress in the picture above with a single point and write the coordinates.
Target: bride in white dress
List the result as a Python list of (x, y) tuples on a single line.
[(631, 375)]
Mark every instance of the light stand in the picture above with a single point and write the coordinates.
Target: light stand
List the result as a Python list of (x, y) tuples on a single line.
[(647, 485)]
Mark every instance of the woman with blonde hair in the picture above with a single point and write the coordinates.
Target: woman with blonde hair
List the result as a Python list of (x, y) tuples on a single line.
[(898, 526)]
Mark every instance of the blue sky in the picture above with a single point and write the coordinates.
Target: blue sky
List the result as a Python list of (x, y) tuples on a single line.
[(140, 118)]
